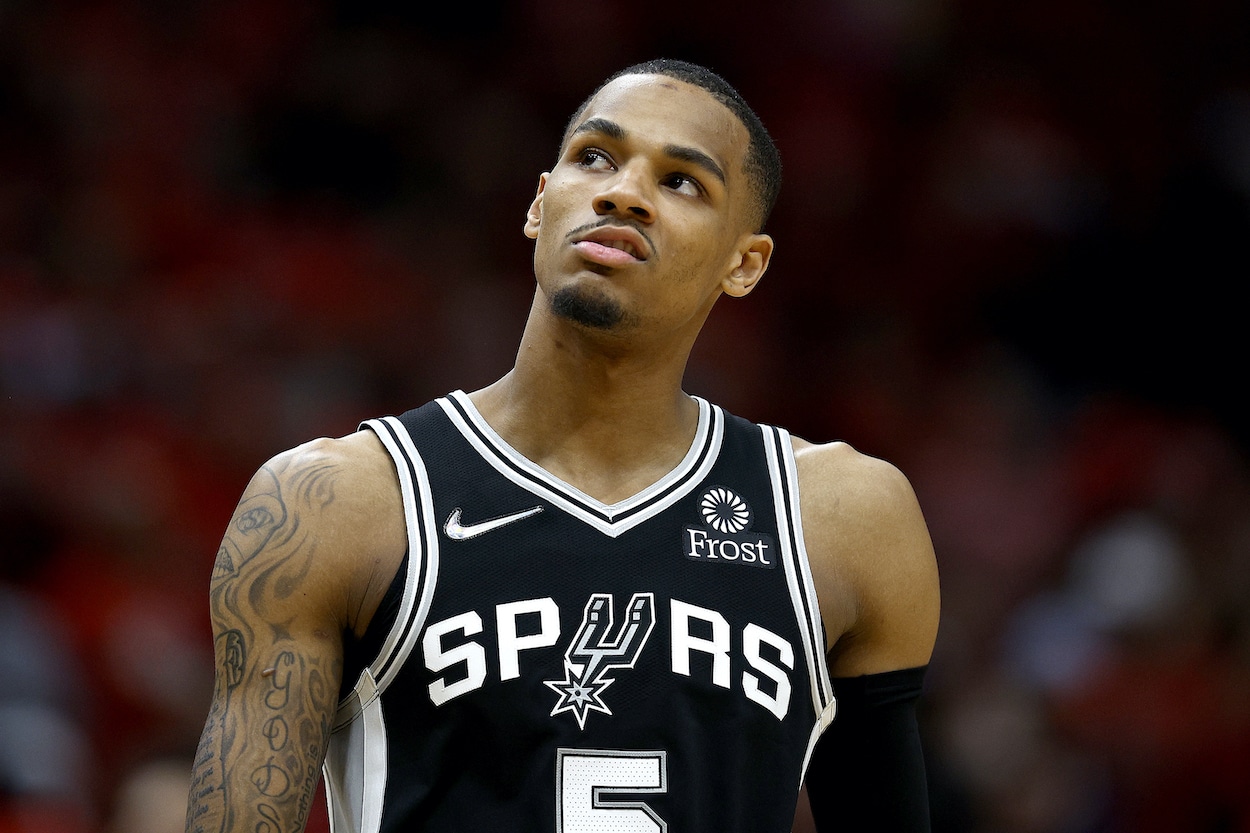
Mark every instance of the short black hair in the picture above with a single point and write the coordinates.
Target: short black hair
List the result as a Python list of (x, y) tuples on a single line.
[(762, 164)]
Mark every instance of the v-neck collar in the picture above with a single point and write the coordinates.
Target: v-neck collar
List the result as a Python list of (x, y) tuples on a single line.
[(610, 519)]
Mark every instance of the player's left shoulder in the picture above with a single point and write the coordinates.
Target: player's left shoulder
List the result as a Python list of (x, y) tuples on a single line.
[(870, 552), (856, 492), (851, 480)]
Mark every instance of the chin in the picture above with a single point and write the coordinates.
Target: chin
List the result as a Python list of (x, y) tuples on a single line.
[(588, 307)]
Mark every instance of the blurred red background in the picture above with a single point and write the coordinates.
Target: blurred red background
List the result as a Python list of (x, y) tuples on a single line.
[(1007, 251)]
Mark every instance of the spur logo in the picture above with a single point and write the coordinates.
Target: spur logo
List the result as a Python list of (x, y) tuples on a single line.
[(725, 534), (595, 652)]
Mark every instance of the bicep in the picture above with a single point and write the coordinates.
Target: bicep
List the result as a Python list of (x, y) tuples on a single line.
[(278, 655), (898, 588), (872, 547)]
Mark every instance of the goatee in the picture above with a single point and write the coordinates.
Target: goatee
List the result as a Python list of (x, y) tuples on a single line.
[(590, 309)]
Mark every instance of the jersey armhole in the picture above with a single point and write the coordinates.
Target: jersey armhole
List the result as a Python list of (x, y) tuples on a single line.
[(418, 571), (779, 451)]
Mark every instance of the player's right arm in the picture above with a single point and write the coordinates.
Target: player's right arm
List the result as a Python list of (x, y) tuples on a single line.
[(296, 568)]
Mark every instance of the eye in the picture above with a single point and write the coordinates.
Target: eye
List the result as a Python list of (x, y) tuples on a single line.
[(683, 184), (593, 159)]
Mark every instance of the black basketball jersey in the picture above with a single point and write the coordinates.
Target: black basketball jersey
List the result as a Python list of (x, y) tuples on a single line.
[(554, 663)]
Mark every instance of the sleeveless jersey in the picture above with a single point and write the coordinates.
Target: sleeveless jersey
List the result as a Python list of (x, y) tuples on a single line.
[(553, 663)]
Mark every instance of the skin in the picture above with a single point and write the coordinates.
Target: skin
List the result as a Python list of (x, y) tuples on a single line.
[(654, 163)]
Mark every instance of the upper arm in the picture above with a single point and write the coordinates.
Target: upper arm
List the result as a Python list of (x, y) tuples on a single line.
[(872, 560), (280, 598)]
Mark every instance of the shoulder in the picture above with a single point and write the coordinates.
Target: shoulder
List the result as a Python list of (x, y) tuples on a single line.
[(851, 479), (859, 500), (336, 486), (871, 556), (328, 511), (352, 468)]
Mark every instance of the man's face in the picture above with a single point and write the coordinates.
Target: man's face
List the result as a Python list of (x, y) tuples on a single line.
[(644, 216)]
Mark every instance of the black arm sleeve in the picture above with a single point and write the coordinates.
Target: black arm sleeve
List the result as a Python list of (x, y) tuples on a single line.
[(867, 772)]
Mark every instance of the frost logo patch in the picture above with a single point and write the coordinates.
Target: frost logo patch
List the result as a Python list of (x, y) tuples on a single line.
[(596, 651), (725, 534)]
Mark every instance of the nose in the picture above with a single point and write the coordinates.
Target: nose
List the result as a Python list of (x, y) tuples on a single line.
[(626, 195)]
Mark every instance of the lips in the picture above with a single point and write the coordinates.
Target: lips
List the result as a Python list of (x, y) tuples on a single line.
[(612, 246), (603, 254)]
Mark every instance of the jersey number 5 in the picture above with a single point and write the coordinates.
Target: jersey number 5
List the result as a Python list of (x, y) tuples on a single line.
[(584, 779)]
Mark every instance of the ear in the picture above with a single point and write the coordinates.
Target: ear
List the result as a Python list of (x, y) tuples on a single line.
[(534, 217), (752, 258)]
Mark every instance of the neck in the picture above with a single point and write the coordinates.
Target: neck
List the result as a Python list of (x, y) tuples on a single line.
[(606, 418)]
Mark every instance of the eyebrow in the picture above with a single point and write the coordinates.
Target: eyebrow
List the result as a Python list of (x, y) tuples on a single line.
[(694, 156), (607, 127)]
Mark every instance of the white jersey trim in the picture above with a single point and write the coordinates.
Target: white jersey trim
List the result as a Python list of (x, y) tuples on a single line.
[(423, 550), (822, 723), (355, 767), (610, 519), (779, 450)]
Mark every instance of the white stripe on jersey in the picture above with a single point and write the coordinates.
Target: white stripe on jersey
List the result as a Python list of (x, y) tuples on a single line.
[(784, 475), (355, 768)]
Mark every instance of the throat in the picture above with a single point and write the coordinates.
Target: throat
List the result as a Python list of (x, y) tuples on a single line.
[(609, 455)]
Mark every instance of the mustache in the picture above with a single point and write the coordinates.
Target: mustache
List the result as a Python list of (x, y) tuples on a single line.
[(613, 221)]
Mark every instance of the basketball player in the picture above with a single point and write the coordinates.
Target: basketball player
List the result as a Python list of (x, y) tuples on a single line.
[(581, 599)]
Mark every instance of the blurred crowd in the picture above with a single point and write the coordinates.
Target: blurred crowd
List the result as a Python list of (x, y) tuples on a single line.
[(1007, 250)]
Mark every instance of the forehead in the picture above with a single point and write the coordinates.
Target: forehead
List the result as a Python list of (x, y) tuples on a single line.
[(668, 112)]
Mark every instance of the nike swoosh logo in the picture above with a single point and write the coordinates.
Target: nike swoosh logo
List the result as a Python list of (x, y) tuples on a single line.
[(455, 531)]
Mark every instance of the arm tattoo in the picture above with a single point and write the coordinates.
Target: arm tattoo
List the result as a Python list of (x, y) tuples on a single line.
[(258, 761)]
